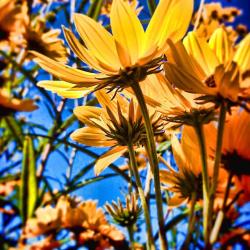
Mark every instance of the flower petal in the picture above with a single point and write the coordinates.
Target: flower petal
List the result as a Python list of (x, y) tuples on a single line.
[(65, 72), (221, 45), (184, 80), (91, 137), (127, 28), (242, 55), (170, 20), (86, 113), (98, 40), (106, 159), (199, 49), (84, 54), (65, 89)]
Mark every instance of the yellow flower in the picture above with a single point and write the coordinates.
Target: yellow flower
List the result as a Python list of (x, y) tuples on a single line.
[(188, 179), (116, 124), (48, 219), (9, 104), (12, 20), (177, 107), (44, 41), (106, 8), (215, 69), (123, 57), (213, 16)]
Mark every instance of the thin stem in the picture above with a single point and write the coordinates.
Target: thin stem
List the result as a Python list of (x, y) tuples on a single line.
[(217, 160), (220, 217), (152, 154), (199, 12), (133, 164), (191, 221), (131, 236), (205, 178)]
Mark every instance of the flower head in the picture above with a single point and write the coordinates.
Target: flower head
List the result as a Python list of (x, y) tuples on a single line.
[(216, 69), (117, 124), (188, 179), (127, 55), (125, 215)]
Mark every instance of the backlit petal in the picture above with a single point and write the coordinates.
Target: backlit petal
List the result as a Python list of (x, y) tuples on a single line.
[(127, 28), (221, 45), (84, 54), (66, 73), (65, 89), (106, 159), (170, 20), (199, 49), (242, 55), (91, 137), (98, 40)]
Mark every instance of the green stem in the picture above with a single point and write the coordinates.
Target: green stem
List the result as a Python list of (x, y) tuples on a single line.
[(131, 236), (220, 217), (151, 6), (133, 164), (219, 141), (152, 154), (205, 178), (191, 221)]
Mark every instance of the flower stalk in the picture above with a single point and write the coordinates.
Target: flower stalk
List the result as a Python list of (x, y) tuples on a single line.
[(205, 179), (219, 142), (133, 165), (153, 159)]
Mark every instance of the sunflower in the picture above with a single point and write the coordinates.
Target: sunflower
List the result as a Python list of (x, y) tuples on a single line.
[(187, 181), (126, 56), (116, 124), (217, 69)]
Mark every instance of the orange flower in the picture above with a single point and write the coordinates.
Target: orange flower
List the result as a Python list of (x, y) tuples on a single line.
[(187, 181), (9, 104), (12, 20), (114, 125)]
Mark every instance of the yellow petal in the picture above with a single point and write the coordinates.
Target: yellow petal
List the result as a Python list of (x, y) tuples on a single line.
[(98, 40), (167, 177), (221, 45), (127, 28), (84, 54), (184, 80), (65, 89), (106, 159), (199, 49), (65, 72), (86, 113), (170, 20), (91, 137), (242, 55), (177, 54)]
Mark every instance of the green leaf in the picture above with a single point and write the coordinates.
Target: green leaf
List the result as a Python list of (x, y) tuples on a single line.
[(28, 189), (163, 146)]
